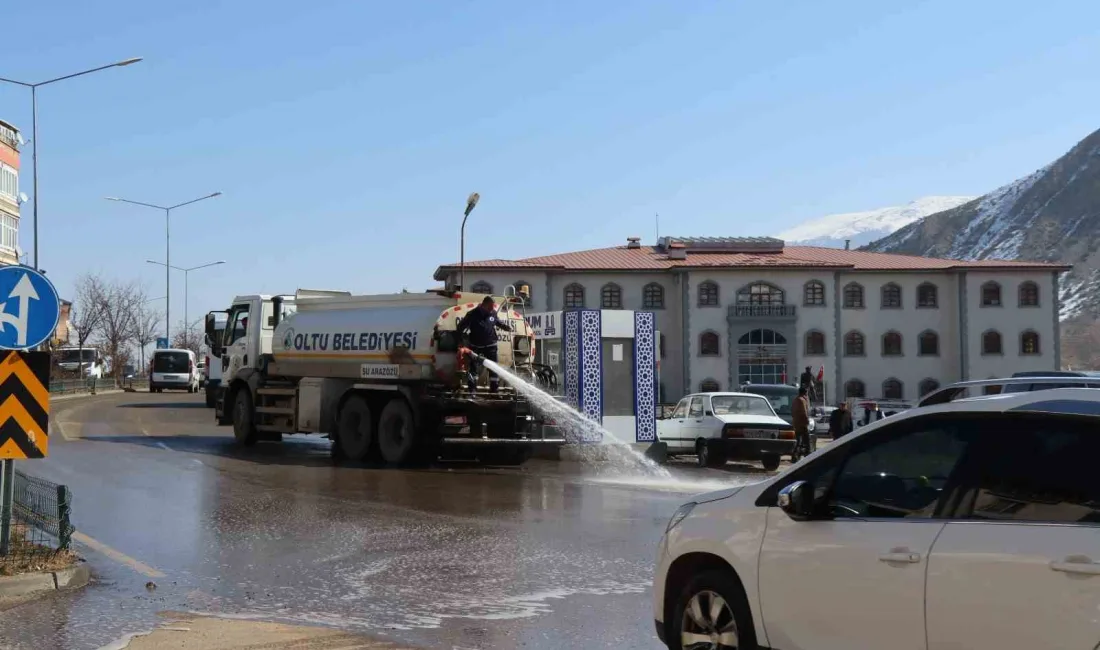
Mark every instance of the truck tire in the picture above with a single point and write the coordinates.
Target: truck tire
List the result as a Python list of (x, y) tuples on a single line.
[(397, 435), (354, 430), (244, 418)]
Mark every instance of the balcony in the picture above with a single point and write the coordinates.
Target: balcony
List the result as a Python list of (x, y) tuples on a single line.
[(752, 311)]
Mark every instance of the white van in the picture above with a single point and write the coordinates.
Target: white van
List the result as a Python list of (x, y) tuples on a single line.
[(175, 369)]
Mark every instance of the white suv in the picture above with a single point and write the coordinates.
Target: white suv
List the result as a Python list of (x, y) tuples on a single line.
[(973, 524)]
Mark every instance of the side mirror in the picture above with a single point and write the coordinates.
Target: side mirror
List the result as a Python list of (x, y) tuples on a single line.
[(211, 333), (797, 500)]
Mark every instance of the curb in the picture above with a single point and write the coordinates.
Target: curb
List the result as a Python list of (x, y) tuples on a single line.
[(29, 584), (113, 391)]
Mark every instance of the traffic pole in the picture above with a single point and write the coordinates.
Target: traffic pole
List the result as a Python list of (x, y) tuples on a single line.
[(7, 498)]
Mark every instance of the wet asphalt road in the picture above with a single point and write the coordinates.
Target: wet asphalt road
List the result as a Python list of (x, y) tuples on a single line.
[(549, 555)]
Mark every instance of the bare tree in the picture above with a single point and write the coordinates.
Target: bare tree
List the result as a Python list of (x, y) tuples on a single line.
[(187, 337), (148, 326), (86, 314), (121, 304)]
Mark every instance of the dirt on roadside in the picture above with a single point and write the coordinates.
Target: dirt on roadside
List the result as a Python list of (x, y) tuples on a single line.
[(25, 556), (190, 632)]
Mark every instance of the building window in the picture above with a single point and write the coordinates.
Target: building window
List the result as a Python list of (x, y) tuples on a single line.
[(813, 294), (892, 389), (891, 344), (991, 294), (927, 386), (708, 294), (709, 345), (855, 388), (574, 297), (891, 296), (611, 296), (853, 345), (991, 343), (482, 286), (853, 296), (928, 344), (760, 293), (9, 183), (10, 232), (928, 296), (709, 386), (815, 343), (1029, 343), (1029, 294), (653, 296)]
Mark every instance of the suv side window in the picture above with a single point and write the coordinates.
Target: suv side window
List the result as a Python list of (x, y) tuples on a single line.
[(681, 410), (1035, 469), (696, 410)]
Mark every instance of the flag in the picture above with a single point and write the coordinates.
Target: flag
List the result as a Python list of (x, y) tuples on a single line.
[(821, 374)]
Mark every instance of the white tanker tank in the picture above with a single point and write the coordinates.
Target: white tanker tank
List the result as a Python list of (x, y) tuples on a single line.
[(390, 337)]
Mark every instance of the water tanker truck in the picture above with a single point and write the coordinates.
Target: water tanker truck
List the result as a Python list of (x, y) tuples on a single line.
[(382, 376)]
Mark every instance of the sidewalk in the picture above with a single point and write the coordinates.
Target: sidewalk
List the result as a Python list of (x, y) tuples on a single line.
[(189, 632)]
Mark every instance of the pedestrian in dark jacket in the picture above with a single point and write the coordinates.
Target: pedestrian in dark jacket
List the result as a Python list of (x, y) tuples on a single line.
[(840, 421), (807, 381), (481, 324)]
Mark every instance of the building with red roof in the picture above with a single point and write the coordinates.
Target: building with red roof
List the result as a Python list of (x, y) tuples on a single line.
[(733, 310)]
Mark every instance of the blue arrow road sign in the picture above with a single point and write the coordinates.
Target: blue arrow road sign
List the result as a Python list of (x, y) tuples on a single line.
[(29, 308), (162, 343)]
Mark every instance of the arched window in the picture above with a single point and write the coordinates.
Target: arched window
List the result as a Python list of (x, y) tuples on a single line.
[(928, 344), (1029, 294), (760, 293), (853, 296), (1029, 342), (991, 294), (708, 294), (991, 342), (574, 297), (481, 286), (653, 296), (853, 345), (891, 344), (813, 294), (709, 345), (928, 296), (892, 389), (709, 386), (855, 388), (891, 296), (815, 343), (927, 386), (611, 296)]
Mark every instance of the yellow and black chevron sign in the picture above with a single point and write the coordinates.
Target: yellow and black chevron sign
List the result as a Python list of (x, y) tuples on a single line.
[(24, 405)]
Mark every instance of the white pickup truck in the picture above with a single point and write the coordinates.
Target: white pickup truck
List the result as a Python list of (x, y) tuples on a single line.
[(717, 427)]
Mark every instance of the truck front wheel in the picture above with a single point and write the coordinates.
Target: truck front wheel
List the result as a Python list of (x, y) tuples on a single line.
[(397, 439), (244, 424), (355, 431)]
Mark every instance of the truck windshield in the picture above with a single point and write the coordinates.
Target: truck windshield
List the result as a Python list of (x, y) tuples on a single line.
[(73, 355), (171, 362), (734, 405)]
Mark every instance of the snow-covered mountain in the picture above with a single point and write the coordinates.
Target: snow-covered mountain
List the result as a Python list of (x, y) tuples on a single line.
[(864, 227)]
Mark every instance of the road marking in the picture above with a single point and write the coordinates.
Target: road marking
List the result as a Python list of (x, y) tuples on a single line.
[(117, 556)]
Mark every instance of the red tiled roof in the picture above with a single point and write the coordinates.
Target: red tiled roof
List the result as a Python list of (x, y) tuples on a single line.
[(652, 258)]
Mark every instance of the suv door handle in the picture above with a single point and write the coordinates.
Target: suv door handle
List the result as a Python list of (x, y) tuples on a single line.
[(1078, 564), (699, 420), (900, 555)]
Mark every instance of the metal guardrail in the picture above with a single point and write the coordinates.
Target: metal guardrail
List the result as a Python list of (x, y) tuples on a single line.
[(762, 311), (41, 523), (75, 386)]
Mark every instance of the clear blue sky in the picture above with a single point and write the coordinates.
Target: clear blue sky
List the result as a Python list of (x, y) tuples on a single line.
[(347, 134)]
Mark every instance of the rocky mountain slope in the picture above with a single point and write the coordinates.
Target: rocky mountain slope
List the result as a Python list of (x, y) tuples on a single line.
[(864, 227), (1051, 215)]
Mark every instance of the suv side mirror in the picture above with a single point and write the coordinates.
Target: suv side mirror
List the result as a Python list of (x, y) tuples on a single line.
[(211, 333), (797, 500)]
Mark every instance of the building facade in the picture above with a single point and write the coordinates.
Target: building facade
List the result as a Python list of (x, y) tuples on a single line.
[(737, 310), (9, 194)]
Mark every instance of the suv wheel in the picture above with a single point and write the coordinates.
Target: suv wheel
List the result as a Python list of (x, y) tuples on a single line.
[(712, 612)]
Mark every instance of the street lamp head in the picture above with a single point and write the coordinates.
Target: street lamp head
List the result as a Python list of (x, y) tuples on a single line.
[(112, 198), (471, 202), (215, 194), (128, 61)]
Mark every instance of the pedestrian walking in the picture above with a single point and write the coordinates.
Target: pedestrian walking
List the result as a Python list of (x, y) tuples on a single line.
[(800, 418), (840, 421)]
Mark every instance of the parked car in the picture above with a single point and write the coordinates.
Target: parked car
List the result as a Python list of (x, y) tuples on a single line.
[(717, 427), (1025, 383), (971, 524), (200, 370), (173, 369)]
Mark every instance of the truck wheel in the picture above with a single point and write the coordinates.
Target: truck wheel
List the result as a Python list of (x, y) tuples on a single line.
[(397, 439), (771, 462), (244, 425), (355, 430)]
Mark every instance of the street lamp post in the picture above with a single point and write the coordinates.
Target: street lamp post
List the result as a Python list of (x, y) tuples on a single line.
[(186, 275), (167, 250), (471, 203), (34, 129)]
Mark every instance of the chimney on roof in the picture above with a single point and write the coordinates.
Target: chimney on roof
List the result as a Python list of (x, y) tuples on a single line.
[(633, 242), (847, 244), (677, 251)]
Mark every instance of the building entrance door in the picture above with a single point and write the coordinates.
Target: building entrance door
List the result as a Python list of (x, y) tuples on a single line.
[(762, 358)]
